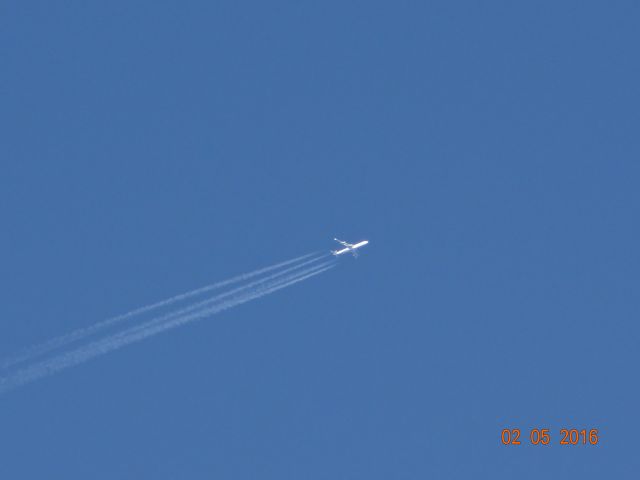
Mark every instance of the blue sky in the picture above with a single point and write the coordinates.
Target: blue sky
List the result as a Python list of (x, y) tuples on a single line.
[(489, 152)]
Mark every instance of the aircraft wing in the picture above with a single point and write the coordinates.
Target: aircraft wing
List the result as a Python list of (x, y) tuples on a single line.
[(342, 242)]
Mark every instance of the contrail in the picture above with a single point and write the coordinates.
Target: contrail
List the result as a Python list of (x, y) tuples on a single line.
[(79, 334), (221, 296), (232, 302), (135, 334), (153, 327)]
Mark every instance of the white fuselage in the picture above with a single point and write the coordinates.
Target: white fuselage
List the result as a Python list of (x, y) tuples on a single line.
[(351, 248)]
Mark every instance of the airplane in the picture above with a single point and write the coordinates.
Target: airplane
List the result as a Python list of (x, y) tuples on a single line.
[(349, 247)]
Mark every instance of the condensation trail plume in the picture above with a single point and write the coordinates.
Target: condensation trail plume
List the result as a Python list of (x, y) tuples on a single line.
[(96, 348), (79, 334), (221, 296)]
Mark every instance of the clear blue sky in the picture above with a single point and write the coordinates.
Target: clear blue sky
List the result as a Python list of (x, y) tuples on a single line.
[(489, 151)]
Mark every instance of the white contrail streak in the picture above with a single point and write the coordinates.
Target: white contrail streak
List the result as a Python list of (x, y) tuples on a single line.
[(77, 335), (221, 296), (135, 334)]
